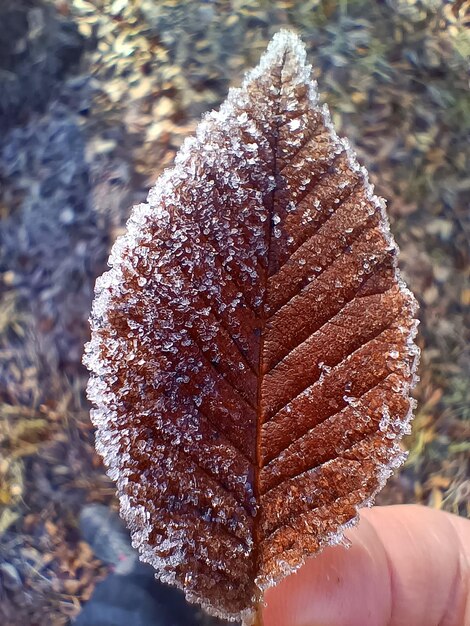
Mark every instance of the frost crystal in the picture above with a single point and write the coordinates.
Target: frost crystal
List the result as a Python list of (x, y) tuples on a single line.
[(252, 345)]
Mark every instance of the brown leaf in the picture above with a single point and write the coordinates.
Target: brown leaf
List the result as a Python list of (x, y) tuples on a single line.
[(252, 345)]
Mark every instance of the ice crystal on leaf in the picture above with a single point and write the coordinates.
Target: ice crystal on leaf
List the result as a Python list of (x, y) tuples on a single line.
[(252, 345)]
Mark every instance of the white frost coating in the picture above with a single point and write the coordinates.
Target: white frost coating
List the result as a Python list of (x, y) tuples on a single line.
[(284, 43), (244, 178)]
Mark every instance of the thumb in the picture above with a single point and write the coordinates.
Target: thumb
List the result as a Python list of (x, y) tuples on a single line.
[(406, 565)]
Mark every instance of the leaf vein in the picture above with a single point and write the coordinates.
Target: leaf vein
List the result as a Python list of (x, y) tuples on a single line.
[(228, 334), (284, 523), (220, 376), (348, 356), (338, 313), (325, 165), (311, 430), (360, 231), (225, 435), (303, 144), (213, 477)]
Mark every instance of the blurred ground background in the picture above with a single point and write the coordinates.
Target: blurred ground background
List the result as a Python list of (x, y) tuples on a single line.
[(95, 98)]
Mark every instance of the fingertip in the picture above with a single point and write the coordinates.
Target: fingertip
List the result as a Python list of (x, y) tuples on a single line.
[(341, 586), (406, 565), (425, 553)]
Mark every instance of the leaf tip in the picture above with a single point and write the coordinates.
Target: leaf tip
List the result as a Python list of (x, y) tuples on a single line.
[(285, 48)]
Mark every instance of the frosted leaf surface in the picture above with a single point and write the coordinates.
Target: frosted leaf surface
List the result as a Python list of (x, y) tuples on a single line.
[(252, 345)]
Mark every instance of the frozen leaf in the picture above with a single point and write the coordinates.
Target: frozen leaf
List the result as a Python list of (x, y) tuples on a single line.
[(252, 347)]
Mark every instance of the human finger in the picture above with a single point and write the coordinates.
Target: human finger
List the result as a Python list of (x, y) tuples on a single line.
[(406, 565)]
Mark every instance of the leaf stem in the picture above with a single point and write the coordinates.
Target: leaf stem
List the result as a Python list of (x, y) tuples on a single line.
[(258, 621)]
